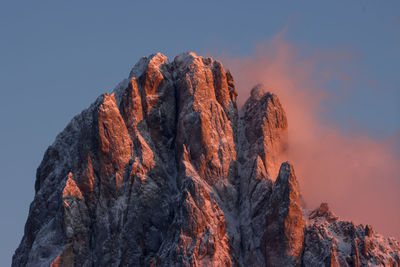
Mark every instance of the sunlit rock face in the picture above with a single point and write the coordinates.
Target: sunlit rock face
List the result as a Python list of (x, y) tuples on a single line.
[(166, 171)]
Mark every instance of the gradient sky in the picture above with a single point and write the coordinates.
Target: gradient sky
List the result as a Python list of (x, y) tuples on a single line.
[(56, 57)]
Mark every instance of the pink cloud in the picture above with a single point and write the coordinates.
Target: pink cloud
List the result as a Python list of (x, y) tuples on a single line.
[(356, 174)]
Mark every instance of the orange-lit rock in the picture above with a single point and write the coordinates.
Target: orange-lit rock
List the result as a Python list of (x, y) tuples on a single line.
[(71, 189), (166, 171), (284, 233), (115, 145)]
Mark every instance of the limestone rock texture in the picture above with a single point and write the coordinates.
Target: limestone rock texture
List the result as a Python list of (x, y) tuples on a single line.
[(167, 171)]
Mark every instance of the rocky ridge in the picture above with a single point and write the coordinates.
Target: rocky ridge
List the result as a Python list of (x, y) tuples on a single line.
[(166, 171)]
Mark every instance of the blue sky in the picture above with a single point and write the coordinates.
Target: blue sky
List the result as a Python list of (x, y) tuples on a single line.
[(56, 57)]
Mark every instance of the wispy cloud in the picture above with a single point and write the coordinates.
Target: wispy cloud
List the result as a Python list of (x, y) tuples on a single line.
[(356, 174)]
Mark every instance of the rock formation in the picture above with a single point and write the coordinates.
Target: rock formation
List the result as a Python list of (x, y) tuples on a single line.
[(166, 171)]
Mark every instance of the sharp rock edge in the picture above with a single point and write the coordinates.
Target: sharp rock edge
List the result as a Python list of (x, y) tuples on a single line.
[(166, 171)]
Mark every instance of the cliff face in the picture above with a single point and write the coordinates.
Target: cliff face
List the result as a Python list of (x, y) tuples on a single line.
[(165, 171)]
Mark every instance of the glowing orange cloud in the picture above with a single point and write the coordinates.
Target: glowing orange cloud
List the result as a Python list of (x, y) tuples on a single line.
[(357, 175)]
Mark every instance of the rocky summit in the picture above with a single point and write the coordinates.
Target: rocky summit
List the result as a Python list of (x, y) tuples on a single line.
[(167, 171)]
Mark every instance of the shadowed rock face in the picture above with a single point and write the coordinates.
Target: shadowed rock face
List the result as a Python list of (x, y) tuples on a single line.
[(284, 233), (166, 171)]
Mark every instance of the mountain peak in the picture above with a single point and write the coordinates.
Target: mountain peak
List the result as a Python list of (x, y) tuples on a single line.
[(259, 91), (154, 60), (323, 212), (166, 171)]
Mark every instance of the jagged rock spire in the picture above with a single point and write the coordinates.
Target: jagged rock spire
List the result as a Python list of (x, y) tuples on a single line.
[(166, 171), (284, 231)]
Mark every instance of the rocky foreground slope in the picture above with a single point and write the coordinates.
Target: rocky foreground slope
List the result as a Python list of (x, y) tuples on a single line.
[(166, 171)]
